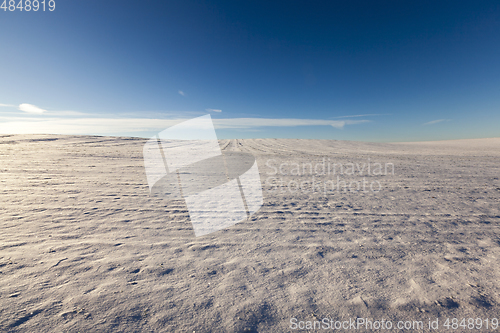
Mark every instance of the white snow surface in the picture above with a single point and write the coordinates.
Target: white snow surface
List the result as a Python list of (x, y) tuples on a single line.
[(85, 248)]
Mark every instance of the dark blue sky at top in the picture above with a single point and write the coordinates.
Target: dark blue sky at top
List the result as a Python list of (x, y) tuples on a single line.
[(410, 62)]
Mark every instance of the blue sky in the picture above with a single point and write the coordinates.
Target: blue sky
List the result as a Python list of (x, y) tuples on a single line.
[(343, 70)]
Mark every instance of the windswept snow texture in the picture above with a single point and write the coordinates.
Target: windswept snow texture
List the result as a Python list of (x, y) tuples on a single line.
[(85, 248)]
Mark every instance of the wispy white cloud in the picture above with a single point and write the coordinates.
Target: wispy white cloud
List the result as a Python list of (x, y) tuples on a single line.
[(67, 113), (436, 121), (103, 126), (30, 108), (115, 126), (365, 115), (286, 122), (7, 105), (182, 93), (213, 110)]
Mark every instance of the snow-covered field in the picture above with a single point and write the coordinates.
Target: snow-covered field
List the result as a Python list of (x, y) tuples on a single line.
[(84, 248)]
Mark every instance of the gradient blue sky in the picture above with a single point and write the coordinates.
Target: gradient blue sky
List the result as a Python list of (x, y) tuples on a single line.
[(343, 70)]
